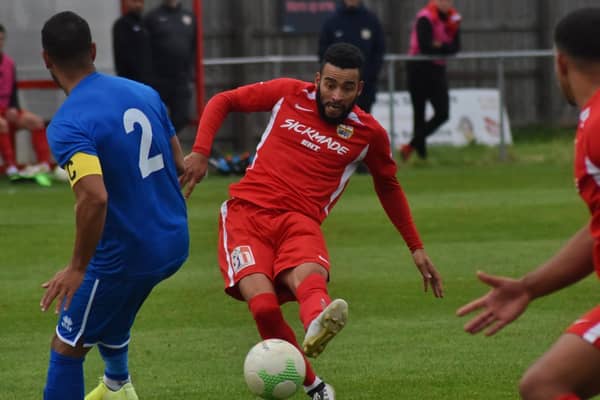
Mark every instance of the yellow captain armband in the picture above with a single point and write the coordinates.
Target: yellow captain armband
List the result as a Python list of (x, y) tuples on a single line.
[(80, 165)]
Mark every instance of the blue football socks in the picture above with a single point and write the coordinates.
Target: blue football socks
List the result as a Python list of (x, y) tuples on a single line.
[(65, 378), (115, 363)]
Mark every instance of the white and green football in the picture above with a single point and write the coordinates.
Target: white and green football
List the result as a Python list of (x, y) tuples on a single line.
[(274, 369)]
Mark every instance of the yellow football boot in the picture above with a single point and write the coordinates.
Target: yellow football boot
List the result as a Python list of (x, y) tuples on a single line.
[(102, 392)]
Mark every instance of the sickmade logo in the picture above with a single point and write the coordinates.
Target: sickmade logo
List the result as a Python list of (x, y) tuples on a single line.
[(316, 138)]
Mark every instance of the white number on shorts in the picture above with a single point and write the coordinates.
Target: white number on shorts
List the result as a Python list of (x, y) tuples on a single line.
[(147, 164)]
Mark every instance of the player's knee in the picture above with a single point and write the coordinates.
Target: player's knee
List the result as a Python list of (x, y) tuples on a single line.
[(79, 351), (303, 271), (33, 122), (537, 385), (527, 387), (38, 123)]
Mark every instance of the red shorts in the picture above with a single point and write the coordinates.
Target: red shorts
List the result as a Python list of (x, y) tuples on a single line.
[(588, 327), (254, 240)]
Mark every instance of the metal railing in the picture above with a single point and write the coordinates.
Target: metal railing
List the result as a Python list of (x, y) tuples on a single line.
[(392, 60)]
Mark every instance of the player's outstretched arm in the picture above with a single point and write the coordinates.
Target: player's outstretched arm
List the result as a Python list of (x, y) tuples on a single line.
[(431, 276), (195, 167), (509, 298)]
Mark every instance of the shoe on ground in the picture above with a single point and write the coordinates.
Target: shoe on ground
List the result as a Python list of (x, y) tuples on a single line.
[(32, 170), (102, 392), (59, 174), (12, 173), (405, 151), (322, 392), (40, 173), (324, 328)]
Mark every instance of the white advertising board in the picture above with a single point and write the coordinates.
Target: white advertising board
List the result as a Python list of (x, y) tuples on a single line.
[(474, 118)]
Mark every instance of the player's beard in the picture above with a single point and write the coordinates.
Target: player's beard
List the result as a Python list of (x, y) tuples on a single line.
[(563, 83), (331, 120), (567, 92)]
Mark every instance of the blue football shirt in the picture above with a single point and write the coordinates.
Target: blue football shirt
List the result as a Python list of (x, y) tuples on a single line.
[(125, 124)]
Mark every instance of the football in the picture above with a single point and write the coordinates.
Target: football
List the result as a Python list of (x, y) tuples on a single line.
[(274, 369)]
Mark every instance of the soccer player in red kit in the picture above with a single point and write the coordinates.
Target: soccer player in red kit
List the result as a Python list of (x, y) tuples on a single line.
[(570, 369), (271, 247)]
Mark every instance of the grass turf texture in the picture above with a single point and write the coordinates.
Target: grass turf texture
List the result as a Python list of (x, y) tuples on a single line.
[(190, 340)]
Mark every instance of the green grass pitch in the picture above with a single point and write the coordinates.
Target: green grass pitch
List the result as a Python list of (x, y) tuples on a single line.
[(190, 339)]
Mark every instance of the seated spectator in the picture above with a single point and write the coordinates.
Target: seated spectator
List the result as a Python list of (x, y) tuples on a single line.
[(14, 118)]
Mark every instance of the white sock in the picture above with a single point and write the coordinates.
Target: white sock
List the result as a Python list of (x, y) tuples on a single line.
[(115, 385), (316, 383)]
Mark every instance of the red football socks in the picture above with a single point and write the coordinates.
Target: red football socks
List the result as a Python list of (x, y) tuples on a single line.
[(312, 297), (569, 396), (6, 150), (40, 145), (271, 325)]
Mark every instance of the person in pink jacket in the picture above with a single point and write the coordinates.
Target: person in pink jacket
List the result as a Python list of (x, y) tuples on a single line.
[(436, 31)]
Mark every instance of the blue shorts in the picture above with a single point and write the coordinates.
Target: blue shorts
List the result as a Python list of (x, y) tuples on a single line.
[(103, 310)]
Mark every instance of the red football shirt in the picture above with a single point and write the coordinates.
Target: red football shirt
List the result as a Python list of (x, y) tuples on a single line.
[(302, 163), (587, 166)]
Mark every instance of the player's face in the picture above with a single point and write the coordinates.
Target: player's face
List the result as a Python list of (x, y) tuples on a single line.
[(136, 6), (443, 5), (561, 69), (337, 92), (2, 37)]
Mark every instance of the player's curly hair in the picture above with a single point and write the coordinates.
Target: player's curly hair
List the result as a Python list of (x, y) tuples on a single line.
[(577, 34), (343, 55)]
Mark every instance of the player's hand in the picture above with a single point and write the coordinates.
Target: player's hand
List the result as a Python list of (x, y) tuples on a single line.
[(431, 276), (61, 287), (500, 306), (195, 165), (437, 44)]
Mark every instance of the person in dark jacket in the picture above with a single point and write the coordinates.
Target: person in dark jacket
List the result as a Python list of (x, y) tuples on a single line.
[(436, 31), (354, 23), (131, 44), (173, 40)]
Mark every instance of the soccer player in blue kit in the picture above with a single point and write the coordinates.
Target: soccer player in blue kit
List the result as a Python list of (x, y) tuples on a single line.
[(114, 139)]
